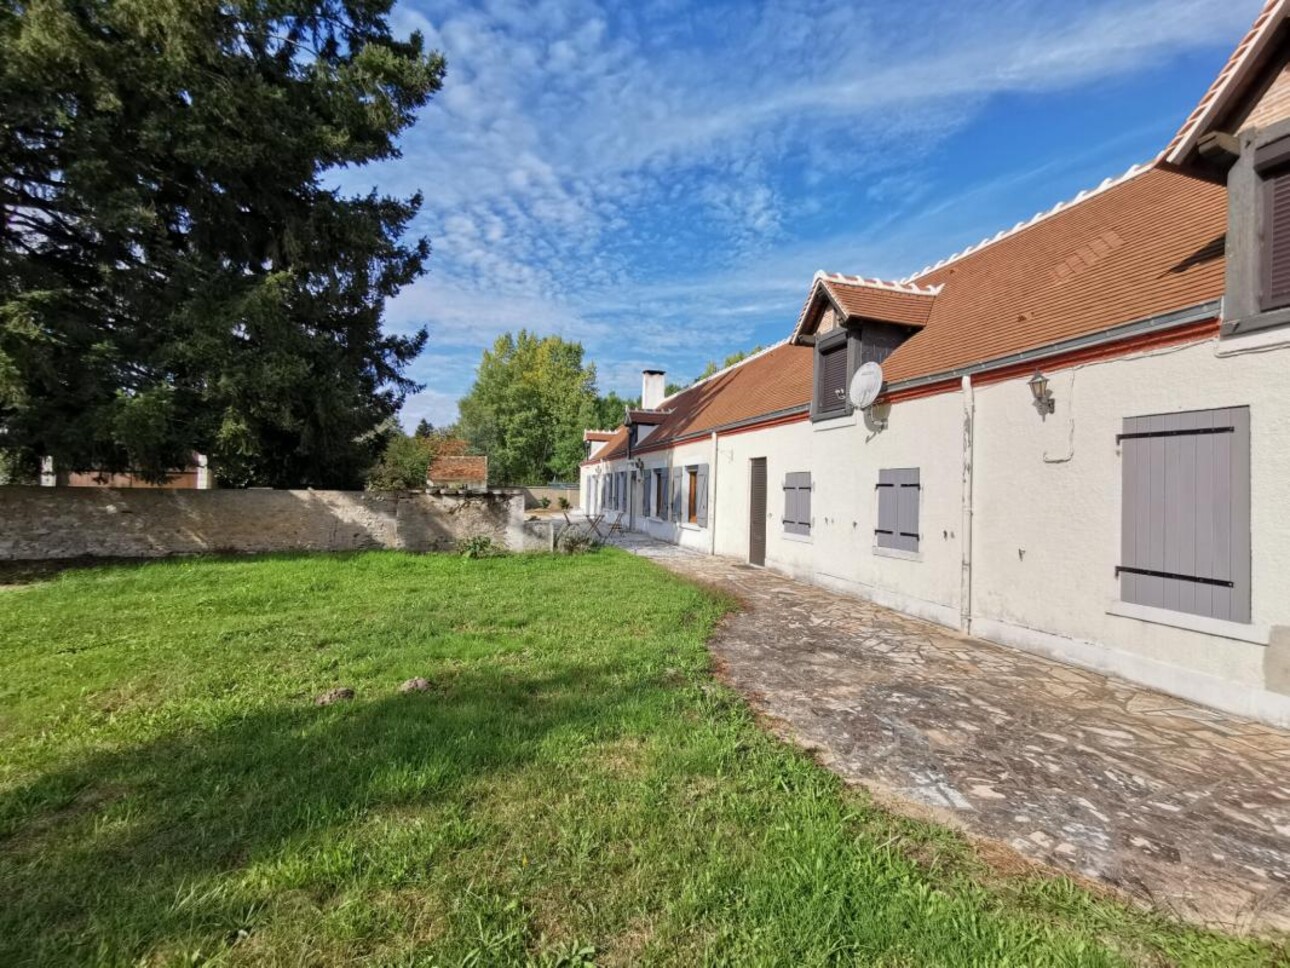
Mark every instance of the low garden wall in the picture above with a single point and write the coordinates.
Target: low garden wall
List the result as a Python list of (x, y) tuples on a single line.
[(71, 522)]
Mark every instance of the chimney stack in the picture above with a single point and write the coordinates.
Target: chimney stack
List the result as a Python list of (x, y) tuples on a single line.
[(653, 389)]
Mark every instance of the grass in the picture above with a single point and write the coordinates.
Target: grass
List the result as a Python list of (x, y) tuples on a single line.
[(574, 788)]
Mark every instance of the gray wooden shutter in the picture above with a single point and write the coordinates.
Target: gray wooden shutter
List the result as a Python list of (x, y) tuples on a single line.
[(1275, 289), (757, 498), (676, 494), (701, 505), (622, 490), (833, 378), (1185, 512), (647, 492), (797, 503), (898, 509)]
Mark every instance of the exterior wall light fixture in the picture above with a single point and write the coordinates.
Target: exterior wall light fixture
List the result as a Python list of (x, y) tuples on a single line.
[(1044, 402)]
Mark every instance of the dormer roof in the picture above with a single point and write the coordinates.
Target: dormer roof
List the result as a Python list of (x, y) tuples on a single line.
[(855, 297)]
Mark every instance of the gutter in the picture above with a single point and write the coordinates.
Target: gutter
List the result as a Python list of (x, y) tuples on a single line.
[(1208, 310)]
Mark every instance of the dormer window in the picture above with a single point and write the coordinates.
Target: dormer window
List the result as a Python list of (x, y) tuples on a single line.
[(851, 321), (833, 371)]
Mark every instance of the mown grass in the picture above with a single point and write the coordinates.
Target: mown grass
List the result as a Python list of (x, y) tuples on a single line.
[(575, 787)]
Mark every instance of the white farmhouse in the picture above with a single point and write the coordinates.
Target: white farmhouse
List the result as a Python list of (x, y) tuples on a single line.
[(1082, 444)]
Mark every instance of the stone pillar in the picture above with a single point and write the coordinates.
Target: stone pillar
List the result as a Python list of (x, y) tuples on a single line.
[(204, 476), (47, 476)]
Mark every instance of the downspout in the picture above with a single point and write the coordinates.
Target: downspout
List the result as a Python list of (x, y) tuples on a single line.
[(712, 497), (969, 433)]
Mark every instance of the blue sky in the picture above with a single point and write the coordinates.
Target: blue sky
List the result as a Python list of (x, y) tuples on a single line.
[(659, 179)]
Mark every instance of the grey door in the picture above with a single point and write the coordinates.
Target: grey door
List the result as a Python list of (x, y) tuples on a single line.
[(757, 513)]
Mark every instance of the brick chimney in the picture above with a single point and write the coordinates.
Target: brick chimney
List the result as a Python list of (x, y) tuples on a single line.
[(653, 388)]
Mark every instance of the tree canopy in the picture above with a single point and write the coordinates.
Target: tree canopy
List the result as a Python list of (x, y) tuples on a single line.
[(533, 397), (175, 274)]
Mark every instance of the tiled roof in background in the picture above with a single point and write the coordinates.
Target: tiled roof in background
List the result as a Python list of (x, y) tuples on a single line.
[(458, 470)]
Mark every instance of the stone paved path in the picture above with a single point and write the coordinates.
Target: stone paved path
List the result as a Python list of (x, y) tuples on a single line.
[(1183, 807)]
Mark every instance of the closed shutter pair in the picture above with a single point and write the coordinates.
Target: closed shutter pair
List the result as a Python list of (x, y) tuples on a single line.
[(797, 502), (1185, 527), (899, 493)]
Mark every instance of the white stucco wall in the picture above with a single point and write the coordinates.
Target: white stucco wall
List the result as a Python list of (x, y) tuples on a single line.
[(844, 457), (1048, 504)]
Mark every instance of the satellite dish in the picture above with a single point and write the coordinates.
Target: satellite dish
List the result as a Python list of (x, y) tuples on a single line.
[(866, 385)]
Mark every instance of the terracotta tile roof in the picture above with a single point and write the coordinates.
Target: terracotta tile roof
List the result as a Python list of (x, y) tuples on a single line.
[(1228, 83), (458, 470), (1148, 245), (1145, 245), (774, 380), (597, 435)]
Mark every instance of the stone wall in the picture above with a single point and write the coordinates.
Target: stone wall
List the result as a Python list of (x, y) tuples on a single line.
[(46, 522)]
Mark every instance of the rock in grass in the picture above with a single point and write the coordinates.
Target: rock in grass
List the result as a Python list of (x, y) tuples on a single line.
[(415, 685), (341, 694)]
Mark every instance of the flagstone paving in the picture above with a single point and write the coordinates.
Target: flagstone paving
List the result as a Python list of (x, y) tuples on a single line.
[(1182, 807)]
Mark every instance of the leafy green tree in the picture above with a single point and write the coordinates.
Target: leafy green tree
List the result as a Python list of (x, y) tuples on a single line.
[(533, 396), (425, 429), (175, 274), (403, 464)]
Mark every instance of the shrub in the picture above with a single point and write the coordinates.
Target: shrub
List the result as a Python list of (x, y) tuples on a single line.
[(564, 503), (403, 464), (479, 546), (576, 542), (545, 502)]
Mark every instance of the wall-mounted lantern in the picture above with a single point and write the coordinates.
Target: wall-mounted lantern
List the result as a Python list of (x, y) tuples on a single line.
[(1044, 402)]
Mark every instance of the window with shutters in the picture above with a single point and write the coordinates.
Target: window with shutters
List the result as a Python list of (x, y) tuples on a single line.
[(1272, 165), (832, 370), (899, 506), (660, 493), (1185, 512), (692, 491), (797, 503)]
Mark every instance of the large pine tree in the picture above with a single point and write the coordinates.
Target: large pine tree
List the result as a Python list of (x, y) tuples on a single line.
[(175, 275)]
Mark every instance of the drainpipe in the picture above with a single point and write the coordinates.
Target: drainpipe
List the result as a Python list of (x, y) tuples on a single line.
[(712, 497), (969, 433)]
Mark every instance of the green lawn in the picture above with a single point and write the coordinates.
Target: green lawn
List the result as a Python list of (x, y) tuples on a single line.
[(574, 788)]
